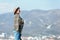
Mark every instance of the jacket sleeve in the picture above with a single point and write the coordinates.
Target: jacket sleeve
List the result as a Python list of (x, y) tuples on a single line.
[(16, 24)]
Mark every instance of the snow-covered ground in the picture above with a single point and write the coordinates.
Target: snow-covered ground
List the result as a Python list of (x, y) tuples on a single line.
[(11, 37)]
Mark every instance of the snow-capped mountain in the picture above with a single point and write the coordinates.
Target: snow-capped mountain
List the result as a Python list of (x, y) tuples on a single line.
[(36, 22)]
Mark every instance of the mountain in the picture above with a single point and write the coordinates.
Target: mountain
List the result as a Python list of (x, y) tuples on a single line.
[(44, 22)]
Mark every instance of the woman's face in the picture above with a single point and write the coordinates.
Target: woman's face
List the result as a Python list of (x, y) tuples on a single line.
[(18, 11)]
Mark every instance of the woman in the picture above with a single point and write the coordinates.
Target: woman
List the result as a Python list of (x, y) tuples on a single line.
[(18, 24)]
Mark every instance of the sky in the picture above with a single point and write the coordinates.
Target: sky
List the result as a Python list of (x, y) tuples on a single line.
[(10, 5)]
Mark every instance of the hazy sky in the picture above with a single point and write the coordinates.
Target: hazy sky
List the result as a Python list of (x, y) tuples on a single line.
[(9, 5)]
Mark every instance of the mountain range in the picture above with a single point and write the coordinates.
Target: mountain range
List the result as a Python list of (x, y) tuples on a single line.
[(36, 22)]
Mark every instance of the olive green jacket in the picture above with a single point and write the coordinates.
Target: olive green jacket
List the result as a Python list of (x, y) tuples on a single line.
[(18, 23)]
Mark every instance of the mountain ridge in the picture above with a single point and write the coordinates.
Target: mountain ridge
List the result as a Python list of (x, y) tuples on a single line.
[(35, 22)]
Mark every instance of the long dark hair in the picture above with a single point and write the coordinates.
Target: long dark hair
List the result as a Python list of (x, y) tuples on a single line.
[(16, 10)]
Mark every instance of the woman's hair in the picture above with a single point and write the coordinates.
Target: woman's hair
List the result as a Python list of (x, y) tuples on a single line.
[(16, 10)]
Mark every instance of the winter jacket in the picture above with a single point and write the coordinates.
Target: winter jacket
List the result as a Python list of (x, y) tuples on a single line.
[(18, 23)]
